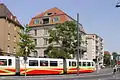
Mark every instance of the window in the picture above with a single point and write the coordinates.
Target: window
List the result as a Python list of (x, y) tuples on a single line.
[(14, 39), (9, 62), (73, 63), (84, 63), (92, 63), (45, 41), (43, 63), (35, 53), (70, 63), (45, 31), (35, 40), (46, 21), (88, 64), (8, 36), (36, 21), (53, 63), (14, 50), (56, 19), (35, 32), (3, 62), (80, 64), (33, 62), (8, 49)]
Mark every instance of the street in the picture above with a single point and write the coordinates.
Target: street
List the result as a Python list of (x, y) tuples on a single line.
[(104, 74)]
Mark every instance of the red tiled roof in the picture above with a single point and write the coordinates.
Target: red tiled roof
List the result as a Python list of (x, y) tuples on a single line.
[(55, 12), (106, 52)]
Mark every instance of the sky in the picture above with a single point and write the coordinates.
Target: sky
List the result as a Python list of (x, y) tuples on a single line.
[(99, 17)]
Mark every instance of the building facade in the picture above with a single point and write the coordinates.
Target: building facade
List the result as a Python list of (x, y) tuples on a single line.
[(9, 28), (41, 23), (95, 50)]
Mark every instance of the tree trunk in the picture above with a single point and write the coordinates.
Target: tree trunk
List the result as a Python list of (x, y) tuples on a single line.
[(17, 66), (64, 66)]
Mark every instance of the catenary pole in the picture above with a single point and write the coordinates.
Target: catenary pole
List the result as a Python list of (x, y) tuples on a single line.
[(77, 44)]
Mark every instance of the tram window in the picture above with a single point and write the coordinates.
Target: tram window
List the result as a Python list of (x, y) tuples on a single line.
[(80, 64), (84, 63), (43, 63), (53, 63), (3, 62), (9, 62), (88, 63), (73, 63), (92, 63), (33, 62), (69, 63)]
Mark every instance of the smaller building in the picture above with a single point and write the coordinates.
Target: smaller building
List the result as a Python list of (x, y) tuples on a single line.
[(95, 48), (42, 23)]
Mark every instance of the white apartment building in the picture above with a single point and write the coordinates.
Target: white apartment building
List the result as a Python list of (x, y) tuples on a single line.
[(95, 48), (41, 23)]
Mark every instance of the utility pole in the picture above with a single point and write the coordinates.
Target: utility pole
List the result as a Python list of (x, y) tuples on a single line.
[(78, 44), (97, 63), (110, 61), (25, 60)]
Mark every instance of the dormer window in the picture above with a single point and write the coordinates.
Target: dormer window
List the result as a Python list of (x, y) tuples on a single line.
[(56, 19), (36, 21), (45, 20)]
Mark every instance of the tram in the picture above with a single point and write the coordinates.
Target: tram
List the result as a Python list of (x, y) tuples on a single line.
[(118, 62), (37, 66)]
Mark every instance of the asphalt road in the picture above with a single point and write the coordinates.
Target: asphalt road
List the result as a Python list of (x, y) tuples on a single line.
[(104, 74)]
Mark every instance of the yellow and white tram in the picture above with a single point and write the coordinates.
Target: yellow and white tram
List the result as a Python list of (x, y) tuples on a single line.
[(35, 66)]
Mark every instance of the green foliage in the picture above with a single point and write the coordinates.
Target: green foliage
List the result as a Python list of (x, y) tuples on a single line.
[(114, 54), (107, 59), (25, 41), (65, 35)]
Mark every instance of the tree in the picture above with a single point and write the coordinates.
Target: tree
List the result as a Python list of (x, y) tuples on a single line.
[(64, 35), (114, 54), (25, 42), (107, 59)]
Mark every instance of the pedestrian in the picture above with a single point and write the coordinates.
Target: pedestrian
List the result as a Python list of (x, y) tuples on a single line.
[(114, 69)]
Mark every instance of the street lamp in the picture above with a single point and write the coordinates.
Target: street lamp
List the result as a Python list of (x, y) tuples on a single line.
[(25, 59), (118, 5)]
